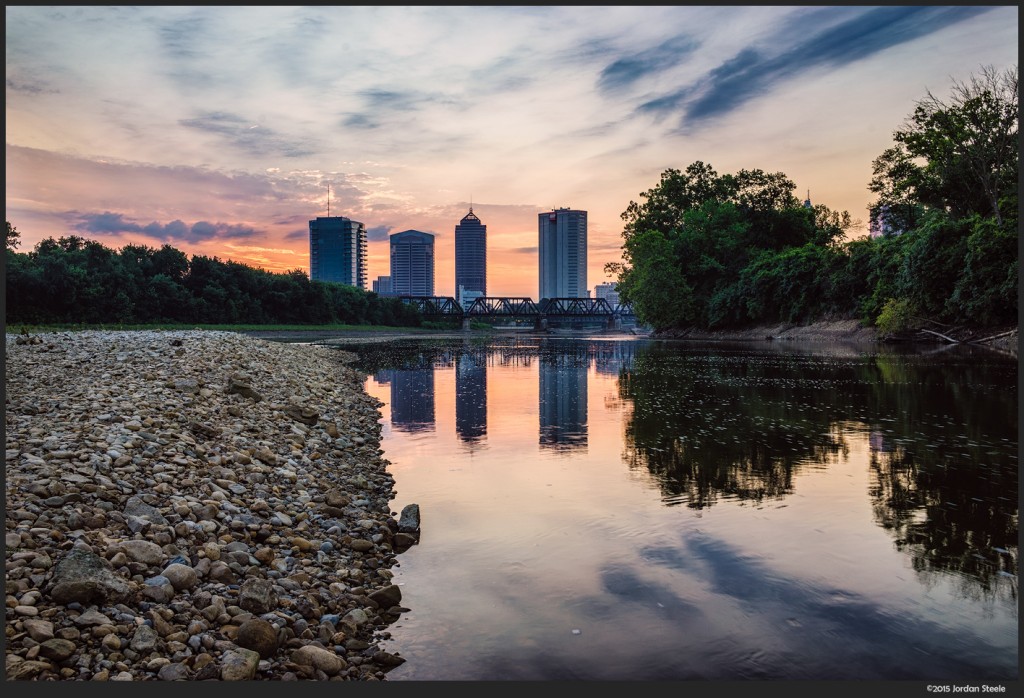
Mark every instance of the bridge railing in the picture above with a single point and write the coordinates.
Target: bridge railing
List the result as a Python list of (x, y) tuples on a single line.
[(496, 307), (517, 307), (434, 306)]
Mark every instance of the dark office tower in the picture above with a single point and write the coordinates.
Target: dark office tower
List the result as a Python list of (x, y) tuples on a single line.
[(563, 402), (470, 258), (471, 397), (412, 399), (562, 251), (412, 263), (337, 250)]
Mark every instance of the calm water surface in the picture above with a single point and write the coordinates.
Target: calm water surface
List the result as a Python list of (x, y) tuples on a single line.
[(629, 509)]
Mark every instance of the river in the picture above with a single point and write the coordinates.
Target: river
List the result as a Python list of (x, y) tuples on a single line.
[(628, 509)]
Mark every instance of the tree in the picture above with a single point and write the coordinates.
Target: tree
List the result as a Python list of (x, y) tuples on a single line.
[(653, 285), (13, 237), (958, 155)]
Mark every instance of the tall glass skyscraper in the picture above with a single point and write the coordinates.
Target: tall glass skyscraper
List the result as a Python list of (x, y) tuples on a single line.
[(470, 257), (562, 251), (337, 250), (412, 263)]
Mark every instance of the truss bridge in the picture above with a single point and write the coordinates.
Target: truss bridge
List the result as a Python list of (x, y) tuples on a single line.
[(511, 309)]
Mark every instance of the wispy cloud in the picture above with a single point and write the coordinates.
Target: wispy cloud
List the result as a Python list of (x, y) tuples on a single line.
[(756, 71), (247, 136), (627, 70)]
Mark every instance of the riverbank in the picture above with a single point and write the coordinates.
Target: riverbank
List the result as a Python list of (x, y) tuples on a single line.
[(195, 505), (999, 338)]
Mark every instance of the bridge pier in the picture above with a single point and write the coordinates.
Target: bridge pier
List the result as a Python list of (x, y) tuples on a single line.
[(465, 324), (541, 324), (614, 323)]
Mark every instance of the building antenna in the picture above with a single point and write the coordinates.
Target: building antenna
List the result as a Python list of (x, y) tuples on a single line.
[(328, 199), (471, 203)]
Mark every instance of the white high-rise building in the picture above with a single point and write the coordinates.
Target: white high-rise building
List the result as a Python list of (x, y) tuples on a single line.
[(562, 252), (608, 291)]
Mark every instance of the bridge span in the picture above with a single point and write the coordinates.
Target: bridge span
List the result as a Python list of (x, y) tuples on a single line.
[(575, 310)]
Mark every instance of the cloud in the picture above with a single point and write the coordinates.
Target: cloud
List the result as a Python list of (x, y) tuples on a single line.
[(624, 72), (379, 233), (753, 71), (115, 224), (247, 136), (33, 87)]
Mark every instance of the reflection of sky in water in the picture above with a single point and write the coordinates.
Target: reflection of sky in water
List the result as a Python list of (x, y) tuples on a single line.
[(825, 543)]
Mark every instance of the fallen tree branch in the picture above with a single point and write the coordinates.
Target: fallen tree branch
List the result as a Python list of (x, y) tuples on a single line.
[(995, 336), (948, 339)]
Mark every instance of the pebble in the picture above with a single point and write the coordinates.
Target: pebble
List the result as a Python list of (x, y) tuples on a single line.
[(171, 494)]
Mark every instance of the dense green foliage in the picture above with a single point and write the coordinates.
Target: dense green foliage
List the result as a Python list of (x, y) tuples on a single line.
[(72, 280), (731, 250)]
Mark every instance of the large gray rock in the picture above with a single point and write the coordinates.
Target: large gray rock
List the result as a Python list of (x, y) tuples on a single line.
[(87, 578), (144, 551), (145, 639), (38, 629), (136, 507), (259, 636), (319, 658), (387, 597), (239, 665), (257, 596), (409, 521), (181, 576)]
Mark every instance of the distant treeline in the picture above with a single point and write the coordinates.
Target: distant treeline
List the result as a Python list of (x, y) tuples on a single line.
[(715, 251), (73, 280)]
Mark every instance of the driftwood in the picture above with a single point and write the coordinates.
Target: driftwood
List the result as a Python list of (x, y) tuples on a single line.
[(995, 336), (948, 339)]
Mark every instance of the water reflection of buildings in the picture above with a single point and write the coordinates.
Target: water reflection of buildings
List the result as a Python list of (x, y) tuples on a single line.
[(471, 397), (562, 386), (563, 401), (412, 397)]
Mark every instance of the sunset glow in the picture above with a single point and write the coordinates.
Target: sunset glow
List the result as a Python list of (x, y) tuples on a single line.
[(218, 130)]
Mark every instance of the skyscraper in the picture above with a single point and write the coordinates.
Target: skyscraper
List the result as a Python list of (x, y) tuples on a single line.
[(337, 250), (562, 251), (470, 257), (412, 263)]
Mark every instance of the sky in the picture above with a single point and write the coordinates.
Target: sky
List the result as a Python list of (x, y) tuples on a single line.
[(220, 130)]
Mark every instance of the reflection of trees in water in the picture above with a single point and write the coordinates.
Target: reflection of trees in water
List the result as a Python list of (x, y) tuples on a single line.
[(944, 440), (711, 427), (950, 519)]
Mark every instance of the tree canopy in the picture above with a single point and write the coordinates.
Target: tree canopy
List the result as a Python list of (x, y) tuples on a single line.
[(74, 280), (708, 250)]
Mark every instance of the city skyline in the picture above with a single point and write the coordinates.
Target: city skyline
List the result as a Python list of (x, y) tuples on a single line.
[(218, 130)]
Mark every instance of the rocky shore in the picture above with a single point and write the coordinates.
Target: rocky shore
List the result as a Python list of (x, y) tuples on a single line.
[(195, 505)]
